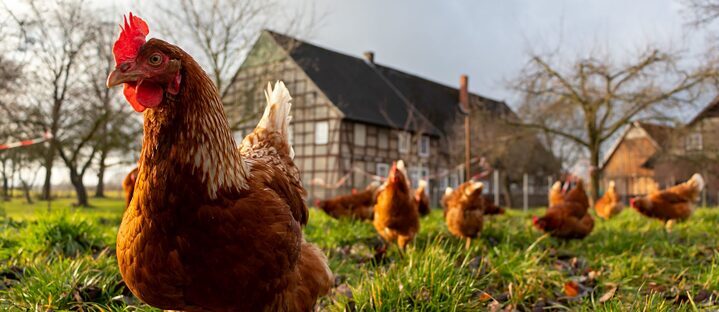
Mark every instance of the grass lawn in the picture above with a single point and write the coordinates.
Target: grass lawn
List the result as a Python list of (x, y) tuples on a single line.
[(64, 260)]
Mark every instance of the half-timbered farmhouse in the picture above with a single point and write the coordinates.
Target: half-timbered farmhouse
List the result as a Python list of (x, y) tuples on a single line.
[(352, 117)]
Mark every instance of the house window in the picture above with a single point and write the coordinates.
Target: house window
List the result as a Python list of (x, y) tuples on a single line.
[(403, 144), (694, 142), (360, 136), (382, 140), (423, 146), (414, 174), (453, 180), (383, 170), (322, 133), (443, 183)]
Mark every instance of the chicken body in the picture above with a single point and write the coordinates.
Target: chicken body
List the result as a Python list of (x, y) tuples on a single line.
[(421, 199), (568, 219), (555, 194), (609, 205), (674, 203), (395, 215), (211, 227), (489, 208), (464, 212), (359, 205)]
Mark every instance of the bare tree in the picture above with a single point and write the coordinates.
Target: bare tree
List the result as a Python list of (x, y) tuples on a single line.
[(222, 31), (590, 100), (702, 12)]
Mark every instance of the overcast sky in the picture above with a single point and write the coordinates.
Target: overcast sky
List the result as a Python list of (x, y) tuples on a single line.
[(490, 40)]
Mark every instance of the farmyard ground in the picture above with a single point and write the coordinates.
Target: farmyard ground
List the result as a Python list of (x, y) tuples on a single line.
[(65, 260)]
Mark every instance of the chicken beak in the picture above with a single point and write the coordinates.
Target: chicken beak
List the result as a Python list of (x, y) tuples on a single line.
[(117, 77)]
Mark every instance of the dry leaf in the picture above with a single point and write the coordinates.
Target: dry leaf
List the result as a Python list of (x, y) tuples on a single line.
[(485, 297), (609, 294), (702, 295), (571, 289)]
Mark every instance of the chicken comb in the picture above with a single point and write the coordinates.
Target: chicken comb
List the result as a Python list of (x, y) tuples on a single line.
[(132, 37)]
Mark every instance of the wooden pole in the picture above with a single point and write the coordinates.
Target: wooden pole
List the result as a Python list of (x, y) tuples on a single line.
[(464, 104), (495, 186)]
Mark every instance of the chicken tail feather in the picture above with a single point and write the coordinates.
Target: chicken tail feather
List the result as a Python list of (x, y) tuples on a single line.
[(277, 112)]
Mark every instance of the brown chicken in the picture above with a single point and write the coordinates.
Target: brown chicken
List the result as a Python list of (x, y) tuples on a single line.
[(672, 204), (568, 219), (556, 194), (128, 186), (489, 208), (395, 215), (463, 211), (210, 227), (421, 198), (609, 205), (358, 205)]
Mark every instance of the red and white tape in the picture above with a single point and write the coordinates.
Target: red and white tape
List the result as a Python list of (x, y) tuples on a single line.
[(46, 136)]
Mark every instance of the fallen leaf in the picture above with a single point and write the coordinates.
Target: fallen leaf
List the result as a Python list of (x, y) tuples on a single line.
[(484, 297), (702, 295), (571, 289), (654, 287), (609, 294)]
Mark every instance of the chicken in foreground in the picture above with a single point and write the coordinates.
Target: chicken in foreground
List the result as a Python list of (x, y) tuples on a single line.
[(210, 227), (358, 205), (610, 204), (464, 212), (128, 186), (568, 219), (673, 204), (421, 198), (396, 218)]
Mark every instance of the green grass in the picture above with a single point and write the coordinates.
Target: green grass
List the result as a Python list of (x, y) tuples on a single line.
[(64, 260)]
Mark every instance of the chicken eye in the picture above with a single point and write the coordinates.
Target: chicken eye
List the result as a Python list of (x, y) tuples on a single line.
[(155, 59)]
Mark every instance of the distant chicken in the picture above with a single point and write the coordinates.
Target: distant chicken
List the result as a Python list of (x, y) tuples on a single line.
[(568, 219), (395, 214), (128, 186), (421, 199), (610, 204), (556, 194), (674, 203), (463, 211), (489, 208), (358, 205), (210, 227)]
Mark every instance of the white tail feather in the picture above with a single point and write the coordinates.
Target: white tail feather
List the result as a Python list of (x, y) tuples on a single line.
[(422, 184), (448, 191), (698, 181), (277, 112), (557, 186)]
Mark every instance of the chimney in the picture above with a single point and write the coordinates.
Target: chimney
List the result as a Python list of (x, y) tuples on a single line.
[(369, 57), (464, 94)]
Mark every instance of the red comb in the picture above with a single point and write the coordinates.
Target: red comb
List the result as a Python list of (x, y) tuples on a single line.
[(132, 37), (535, 220)]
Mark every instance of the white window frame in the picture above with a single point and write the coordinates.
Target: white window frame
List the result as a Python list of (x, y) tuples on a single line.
[(360, 134), (382, 170), (423, 146), (403, 142), (695, 141), (322, 132)]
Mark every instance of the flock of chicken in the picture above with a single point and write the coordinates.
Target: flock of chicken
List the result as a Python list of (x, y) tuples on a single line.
[(395, 212), (213, 225)]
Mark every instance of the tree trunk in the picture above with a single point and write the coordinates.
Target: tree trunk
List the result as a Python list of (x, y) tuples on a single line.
[(80, 189), (47, 185), (26, 192), (100, 190)]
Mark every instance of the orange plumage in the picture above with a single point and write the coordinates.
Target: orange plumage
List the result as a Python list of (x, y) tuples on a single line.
[(358, 205), (212, 227), (421, 199), (556, 194), (674, 203), (609, 205), (568, 219), (128, 186), (395, 215), (464, 212)]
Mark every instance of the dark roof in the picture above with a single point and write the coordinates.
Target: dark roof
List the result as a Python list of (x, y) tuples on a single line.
[(661, 134), (377, 94), (712, 110)]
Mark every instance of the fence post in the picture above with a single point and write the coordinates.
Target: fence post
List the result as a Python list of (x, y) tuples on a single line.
[(525, 192), (495, 186)]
